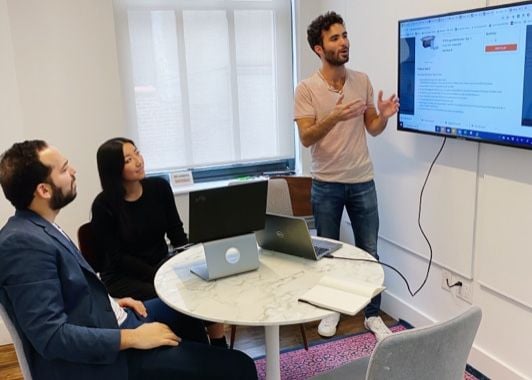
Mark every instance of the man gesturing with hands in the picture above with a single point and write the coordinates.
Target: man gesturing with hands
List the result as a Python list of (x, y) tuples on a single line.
[(333, 110)]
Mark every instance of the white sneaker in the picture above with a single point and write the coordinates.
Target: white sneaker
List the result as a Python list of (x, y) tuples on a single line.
[(377, 327), (327, 327)]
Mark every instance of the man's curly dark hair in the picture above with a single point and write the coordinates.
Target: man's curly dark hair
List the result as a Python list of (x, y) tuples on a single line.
[(320, 24)]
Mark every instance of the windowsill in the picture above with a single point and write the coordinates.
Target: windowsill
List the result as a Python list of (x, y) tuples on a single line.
[(179, 190)]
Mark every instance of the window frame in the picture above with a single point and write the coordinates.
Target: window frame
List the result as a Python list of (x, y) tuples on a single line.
[(221, 171)]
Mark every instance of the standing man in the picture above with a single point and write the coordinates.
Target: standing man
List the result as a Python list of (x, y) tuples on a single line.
[(333, 110), (68, 324)]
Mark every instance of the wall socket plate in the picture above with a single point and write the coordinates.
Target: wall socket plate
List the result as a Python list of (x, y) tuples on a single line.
[(464, 292), (446, 277)]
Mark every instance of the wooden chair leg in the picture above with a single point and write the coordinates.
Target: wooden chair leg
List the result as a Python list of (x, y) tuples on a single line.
[(233, 333), (303, 335)]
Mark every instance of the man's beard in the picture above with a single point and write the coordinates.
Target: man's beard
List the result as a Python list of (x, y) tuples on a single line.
[(60, 200), (335, 60)]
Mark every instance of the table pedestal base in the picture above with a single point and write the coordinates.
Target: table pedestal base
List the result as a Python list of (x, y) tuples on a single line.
[(273, 363)]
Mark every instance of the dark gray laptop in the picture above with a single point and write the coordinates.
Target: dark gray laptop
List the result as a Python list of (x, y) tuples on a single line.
[(290, 234)]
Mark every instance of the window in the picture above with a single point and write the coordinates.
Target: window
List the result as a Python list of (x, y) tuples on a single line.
[(208, 83)]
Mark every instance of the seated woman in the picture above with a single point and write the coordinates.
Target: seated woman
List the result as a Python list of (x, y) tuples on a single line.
[(130, 219)]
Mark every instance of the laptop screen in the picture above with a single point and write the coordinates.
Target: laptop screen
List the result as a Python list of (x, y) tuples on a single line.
[(227, 211)]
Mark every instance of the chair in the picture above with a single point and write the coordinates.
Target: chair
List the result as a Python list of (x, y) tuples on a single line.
[(297, 203), (86, 246), (438, 351), (17, 342), (299, 189), (279, 200)]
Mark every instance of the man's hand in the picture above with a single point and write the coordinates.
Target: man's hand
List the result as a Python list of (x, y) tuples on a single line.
[(387, 107), (148, 336), (375, 123), (136, 306), (312, 130), (343, 112)]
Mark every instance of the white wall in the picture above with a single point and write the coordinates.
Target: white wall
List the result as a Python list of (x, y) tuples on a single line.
[(476, 208), (66, 76), (59, 73), (10, 115), (11, 126)]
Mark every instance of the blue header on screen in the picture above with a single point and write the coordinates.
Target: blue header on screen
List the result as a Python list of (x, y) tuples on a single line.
[(227, 211), (468, 75)]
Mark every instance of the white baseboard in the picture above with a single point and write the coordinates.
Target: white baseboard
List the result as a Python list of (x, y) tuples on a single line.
[(492, 367), (398, 309), (479, 359), (5, 338)]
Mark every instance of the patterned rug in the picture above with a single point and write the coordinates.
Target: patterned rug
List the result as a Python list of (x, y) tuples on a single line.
[(298, 364)]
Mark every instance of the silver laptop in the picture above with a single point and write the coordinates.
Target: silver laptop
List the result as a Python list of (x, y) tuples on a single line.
[(226, 257), (290, 234)]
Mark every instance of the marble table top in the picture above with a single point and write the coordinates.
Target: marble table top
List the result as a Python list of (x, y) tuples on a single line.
[(264, 297)]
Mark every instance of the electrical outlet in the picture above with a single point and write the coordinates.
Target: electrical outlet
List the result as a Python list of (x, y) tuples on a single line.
[(446, 278), (465, 291)]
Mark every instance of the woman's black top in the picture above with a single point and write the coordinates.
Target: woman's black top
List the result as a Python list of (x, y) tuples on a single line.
[(133, 240)]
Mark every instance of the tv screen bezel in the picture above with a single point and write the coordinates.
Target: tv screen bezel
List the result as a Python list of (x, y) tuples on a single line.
[(443, 133)]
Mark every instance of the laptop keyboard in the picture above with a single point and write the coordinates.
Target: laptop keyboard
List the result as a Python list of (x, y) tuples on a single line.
[(320, 250)]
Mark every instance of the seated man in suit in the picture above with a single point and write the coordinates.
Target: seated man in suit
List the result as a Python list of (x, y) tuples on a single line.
[(70, 327)]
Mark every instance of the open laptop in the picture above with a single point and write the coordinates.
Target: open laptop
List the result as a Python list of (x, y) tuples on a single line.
[(290, 234), (226, 257), (224, 219)]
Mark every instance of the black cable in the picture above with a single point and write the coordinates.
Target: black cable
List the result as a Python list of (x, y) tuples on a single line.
[(422, 232), (457, 283), (419, 216), (377, 262)]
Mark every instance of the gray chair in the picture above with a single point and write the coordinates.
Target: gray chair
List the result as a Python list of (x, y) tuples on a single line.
[(278, 201), (438, 351), (17, 342), (300, 188), (290, 195)]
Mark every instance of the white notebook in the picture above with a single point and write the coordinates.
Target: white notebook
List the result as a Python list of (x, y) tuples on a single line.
[(347, 297)]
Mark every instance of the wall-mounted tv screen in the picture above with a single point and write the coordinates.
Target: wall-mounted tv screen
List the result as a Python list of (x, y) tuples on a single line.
[(468, 75)]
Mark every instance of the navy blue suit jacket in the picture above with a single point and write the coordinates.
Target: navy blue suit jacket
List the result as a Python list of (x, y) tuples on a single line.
[(57, 303)]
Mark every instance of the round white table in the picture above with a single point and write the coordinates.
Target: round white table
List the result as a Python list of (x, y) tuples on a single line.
[(265, 297)]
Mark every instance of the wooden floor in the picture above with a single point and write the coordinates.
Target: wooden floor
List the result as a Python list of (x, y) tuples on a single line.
[(9, 369), (248, 339)]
